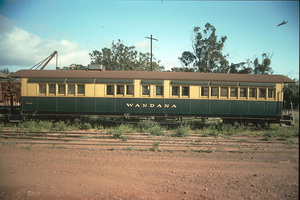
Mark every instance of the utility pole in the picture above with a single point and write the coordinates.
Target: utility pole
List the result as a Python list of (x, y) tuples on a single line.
[(151, 38)]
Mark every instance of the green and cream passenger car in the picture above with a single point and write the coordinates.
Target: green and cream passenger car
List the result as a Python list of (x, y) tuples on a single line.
[(233, 97)]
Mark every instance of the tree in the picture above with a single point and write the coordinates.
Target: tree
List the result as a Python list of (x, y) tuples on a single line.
[(121, 57), (253, 67), (291, 93), (263, 67), (5, 71), (75, 67), (207, 55)]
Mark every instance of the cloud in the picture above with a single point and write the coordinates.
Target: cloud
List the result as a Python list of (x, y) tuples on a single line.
[(142, 45), (20, 48)]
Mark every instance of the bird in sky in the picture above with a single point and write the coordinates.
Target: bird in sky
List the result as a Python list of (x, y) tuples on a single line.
[(282, 23)]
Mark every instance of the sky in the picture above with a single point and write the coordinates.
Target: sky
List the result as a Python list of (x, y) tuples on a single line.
[(30, 30)]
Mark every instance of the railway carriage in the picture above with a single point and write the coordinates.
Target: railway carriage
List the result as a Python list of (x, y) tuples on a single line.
[(236, 98)]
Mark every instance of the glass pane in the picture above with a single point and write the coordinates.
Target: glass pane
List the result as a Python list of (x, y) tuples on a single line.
[(214, 91), (252, 92), (233, 92), (204, 91), (224, 91), (61, 89), (71, 89), (120, 89), (42, 88), (262, 93), (146, 90), (110, 90), (159, 90), (130, 89), (80, 89), (243, 92), (185, 91), (52, 88), (175, 90), (271, 93)]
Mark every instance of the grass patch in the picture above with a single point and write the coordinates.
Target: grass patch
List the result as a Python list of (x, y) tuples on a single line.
[(129, 148), (145, 125), (204, 151), (182, 131), (155, 146), (157, 130), (279, 133)]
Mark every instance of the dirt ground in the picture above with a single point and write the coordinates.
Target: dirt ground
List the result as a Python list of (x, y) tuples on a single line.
[(42, 172)]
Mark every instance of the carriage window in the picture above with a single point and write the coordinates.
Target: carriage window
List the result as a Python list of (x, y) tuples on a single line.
[(243, 92), (204, 91), (61, 88), (271, 93), (185, 90), (71, 89), (252, 92), (233, 92), (129, 90), (81, 90), (42, 88), (159, 90), (175, 90), (215, 91), (52, 89), (262, 92), (120, 89), (146, 90), (224, 91), (110, 90)]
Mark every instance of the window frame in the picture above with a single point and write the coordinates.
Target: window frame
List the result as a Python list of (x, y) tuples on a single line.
[(149, 90), (120, 90), (183, 93), (245, 92), (69, 87), (60, 88), (52, 89), (44, 89), (202, 92), (213, 93), (161, 90), (221, 92), (177, 91), (235, 96), (79, 86), (127, 89), (262, 95), (110, 90), (252, 90)]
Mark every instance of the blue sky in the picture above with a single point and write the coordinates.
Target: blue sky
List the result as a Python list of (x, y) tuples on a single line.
[(30, 30)]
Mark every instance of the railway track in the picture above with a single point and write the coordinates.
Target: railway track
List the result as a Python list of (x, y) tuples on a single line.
[(100, 140)]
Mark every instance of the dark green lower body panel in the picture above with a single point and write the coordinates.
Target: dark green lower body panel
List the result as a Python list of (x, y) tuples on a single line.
[(147, 106)]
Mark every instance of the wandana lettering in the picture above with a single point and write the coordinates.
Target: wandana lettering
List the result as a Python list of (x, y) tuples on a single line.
[(151, 105)]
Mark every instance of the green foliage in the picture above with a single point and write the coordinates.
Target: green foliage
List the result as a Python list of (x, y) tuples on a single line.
[(119, 131), (182, 131), (291, 93), (155, 146), (35, 126), (207, 55), (280, 133), (121, 57), (59, 126), (157, 130), (146, 125), (86, 126)]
